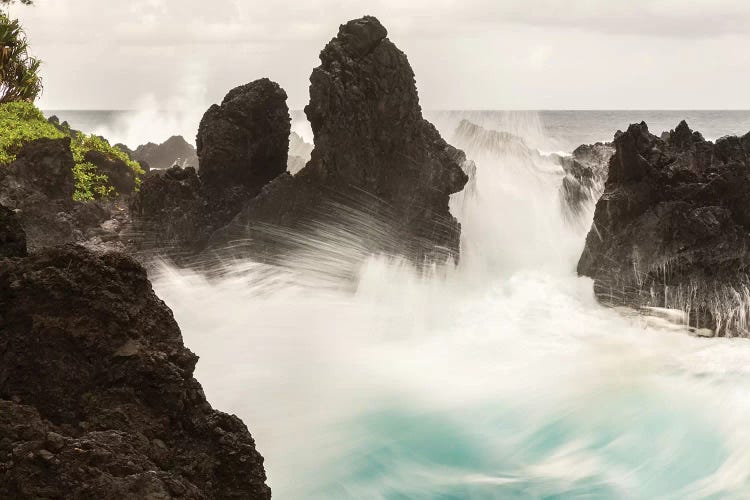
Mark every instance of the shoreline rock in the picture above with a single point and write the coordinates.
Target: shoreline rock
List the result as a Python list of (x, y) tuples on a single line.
[(97, 395), (672, 228), (379, 172)]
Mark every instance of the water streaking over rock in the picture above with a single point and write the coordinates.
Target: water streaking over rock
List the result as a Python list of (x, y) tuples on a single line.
[(501, 378)]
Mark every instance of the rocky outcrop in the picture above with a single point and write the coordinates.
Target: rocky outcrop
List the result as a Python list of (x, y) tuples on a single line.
[(585, 175), (377, 162), (12, 235), (672, 228), (243, 144), (39, 188), (97, 395), (174, 151), (171, 215)]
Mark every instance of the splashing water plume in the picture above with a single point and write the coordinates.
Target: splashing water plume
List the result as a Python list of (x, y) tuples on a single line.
[(501, 378)]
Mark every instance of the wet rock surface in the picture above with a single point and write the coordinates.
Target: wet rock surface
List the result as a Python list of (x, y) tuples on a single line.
[(97, 395), (672, 228), (585, 174), (378, 167)]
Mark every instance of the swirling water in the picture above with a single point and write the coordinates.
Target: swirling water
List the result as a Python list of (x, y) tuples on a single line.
[(499, 378)]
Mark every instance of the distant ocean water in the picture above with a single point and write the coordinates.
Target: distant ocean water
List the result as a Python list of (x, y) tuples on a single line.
[(546, 130)]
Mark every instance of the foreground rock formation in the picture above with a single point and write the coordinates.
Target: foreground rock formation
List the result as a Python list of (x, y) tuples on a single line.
[(378, 167), (672, 228), (97, 395)]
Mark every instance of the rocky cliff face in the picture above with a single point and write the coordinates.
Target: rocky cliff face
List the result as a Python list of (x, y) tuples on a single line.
[(97, 395), (672, 228), (374, 154)]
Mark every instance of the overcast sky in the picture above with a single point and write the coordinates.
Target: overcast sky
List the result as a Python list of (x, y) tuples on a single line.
[(467, 54)]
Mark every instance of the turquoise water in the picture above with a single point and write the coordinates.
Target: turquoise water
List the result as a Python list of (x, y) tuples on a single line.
[(500, 379)]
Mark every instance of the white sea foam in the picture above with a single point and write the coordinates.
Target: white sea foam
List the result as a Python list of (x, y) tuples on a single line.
[(502, 378)]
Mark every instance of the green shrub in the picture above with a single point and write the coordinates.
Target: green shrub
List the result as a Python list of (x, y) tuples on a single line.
[(19, 72), (22, 122)]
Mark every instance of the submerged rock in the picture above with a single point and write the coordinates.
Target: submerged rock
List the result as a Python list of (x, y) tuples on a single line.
[(672, 228), (97, 395), (175, 150), (378, 167)]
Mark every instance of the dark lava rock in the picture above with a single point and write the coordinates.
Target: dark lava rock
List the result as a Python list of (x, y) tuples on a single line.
[(120, 175), (671, 229), (97, 395), (39, 187), (243, 144), (175, 150), (378, 167), (170, 212), (12, 235)]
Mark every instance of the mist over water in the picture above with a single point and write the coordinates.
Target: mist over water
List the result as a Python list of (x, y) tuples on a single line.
[(499, 378)]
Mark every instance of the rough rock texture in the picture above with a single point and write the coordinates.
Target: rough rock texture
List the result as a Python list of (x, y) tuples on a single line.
[(120, 175), (585, 174), (39, 187), (671, 229), (374, 155), (171, 213), (97, 395), (175, 150), (243, 144), (12, 235)]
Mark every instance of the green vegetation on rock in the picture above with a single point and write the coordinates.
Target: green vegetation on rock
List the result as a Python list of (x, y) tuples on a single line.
[(22, 122)]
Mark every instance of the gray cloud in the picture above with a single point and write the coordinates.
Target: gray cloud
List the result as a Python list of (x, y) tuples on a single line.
[(466, 53)]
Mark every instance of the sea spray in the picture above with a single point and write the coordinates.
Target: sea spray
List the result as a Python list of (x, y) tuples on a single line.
[(501, 378)]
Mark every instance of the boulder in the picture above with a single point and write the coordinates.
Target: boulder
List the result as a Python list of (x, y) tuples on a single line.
[(97, 395), (243, 144), (378, 167), (671, 229)]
